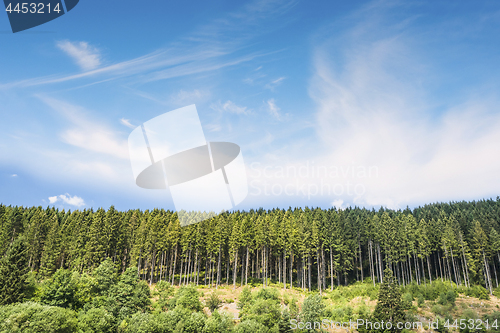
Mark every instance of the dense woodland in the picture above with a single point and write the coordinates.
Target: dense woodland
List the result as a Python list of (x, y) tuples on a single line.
[(306, 248)]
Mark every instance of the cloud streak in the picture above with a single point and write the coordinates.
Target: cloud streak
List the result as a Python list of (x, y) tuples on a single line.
[(86, 56)]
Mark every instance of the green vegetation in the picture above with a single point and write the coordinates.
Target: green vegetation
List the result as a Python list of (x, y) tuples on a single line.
[(111, 271)]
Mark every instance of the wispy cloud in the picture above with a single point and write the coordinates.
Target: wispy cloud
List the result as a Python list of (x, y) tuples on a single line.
[(14, 175), (211, 47), (67, 199), (230, 107), (87, 134), (184, 97), (374, 109), (127, 123), (86, 56), (273, 109), (273, 84)]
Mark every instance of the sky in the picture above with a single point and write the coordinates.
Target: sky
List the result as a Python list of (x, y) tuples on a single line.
[(333, 103)]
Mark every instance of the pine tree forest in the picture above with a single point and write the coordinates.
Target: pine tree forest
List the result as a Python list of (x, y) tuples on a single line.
[(311, 248)]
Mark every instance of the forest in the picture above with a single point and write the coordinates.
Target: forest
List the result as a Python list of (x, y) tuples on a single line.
[(312, 250)]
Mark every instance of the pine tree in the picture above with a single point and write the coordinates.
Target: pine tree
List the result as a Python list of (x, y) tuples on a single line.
[(389, 306), (13, 273)]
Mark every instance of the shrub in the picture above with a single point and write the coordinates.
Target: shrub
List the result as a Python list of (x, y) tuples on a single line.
[(407, 301), (250, 326), (478, 292), (267, 294), (60, 290), (218, 323), (213, 302), (491, 320), (312, 309), (469, 316), (164, 291), (420, 300), (188, 297), (32, 317), (265, 311), (245, 297), (96, 320)]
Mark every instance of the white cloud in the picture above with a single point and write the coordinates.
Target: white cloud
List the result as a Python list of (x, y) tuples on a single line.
[(374, 109), (230, 107), (127, 123), (86, 56), (338, 203), (67, 199), (88, 134), (273, 109), (14, 175), (273, 84)]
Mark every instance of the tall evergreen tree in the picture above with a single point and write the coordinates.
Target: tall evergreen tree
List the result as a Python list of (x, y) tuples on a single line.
[(389, 306), (13, 273)]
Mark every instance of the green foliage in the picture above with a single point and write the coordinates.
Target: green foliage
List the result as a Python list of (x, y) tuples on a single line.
[(264, 311), (267, 294), (188, 298), (219, 323), (163, 290), (491, 317), (13, 273), (60, 290), (128, 296), (472, 326), (389, 306), (358, 289), (407, 301), (250, 326), (96, 320), (447, 298), (312, 309), (245, 297), (105, 276), (36, 318), (213, 302), (420, 300), (478, 292)]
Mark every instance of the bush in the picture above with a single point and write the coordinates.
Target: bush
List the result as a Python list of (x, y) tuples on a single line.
[(250, 326), (420, 300), (491, 320), (267, 294), (32, 317), (213, 302), (407, 301), (478, 292), (471, 327), (312, 309), (96, 320), (218, 323), (164, 291), (187, 297), (60, 290), (195, 323), (264, 311)]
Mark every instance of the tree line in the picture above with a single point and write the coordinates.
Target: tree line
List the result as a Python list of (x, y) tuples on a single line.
[(310, 248)]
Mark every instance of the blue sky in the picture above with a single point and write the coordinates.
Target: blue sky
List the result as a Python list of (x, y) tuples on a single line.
[(364, 103)]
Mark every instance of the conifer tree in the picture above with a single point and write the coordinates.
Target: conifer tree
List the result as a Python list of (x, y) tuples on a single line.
[(389, 306), (13, 273)]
